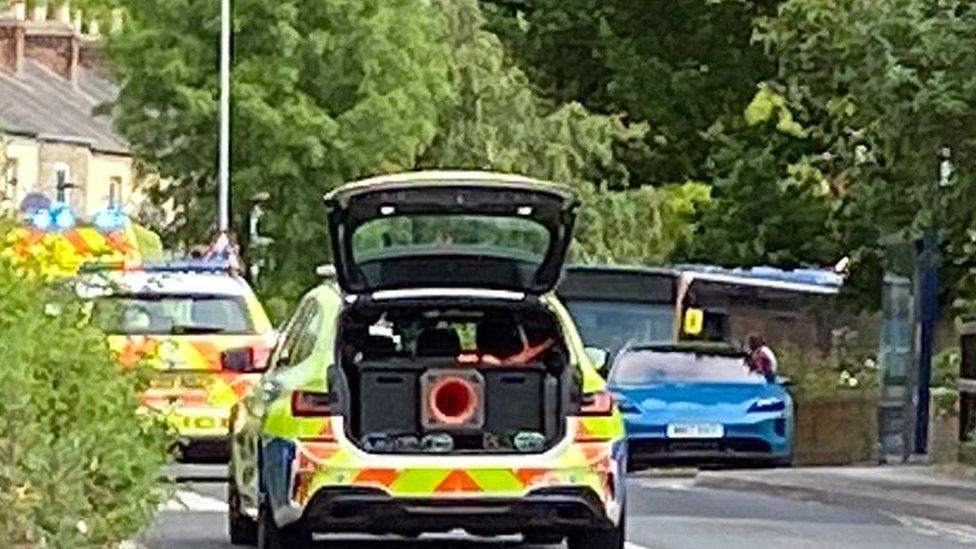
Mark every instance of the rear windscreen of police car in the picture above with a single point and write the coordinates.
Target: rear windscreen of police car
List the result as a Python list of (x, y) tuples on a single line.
[(173, 315)]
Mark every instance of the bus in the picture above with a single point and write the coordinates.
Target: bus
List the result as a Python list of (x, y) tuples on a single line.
[(615, 306)]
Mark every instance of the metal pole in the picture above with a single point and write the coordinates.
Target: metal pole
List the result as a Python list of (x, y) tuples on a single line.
[(927, 274), (223, 170)]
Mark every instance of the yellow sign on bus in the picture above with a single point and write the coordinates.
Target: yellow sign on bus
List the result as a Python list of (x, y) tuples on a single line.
[(694, 321)]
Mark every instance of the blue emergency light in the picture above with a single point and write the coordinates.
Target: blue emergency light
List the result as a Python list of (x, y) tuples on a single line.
[(58, 217), (219, 264), (110, 219)]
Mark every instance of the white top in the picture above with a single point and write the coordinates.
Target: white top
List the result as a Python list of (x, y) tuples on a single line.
[(768, 353)]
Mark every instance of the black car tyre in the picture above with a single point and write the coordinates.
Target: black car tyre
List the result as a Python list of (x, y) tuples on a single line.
[(242, 528), (271, 536), (613, 538)]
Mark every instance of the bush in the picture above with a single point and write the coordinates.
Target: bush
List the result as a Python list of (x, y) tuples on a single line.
[(967, 450), (843, 373), (78, 466), (945, 368)]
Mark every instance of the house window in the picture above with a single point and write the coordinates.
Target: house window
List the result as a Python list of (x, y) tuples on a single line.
[(115, 192)]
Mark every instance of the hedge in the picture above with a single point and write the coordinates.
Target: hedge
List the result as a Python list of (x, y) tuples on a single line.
[(78, 466)]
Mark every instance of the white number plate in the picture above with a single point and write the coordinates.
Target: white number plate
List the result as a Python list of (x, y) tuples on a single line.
[(696, 430)]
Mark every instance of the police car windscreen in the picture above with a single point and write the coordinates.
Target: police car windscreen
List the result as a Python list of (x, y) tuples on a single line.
[(173, 315), (652, 368)]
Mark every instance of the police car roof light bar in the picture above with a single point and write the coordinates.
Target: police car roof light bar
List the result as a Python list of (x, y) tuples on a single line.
[(190, 266)]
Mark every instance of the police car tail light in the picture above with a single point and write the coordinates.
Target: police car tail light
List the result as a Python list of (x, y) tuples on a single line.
[(599, 403), (311, 404)]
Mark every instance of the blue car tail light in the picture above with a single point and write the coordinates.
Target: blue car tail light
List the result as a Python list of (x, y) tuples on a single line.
[(768, 405)]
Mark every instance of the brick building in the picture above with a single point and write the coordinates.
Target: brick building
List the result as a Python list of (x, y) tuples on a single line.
[(54, 143)]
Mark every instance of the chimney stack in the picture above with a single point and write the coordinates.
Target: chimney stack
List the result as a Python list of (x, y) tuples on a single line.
[(63, 13), (57, 45), (40, 11), (18, 9), (12, 34)]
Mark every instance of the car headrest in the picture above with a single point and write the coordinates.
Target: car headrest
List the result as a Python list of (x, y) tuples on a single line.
[(499, 339), (438, 342), (378, 346)]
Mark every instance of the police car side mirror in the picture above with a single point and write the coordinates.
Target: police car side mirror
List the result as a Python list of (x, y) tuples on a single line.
[(600, 358), (239, 360), (784, 381)]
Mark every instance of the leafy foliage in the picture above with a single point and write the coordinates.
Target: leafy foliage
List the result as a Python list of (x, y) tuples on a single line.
[(678, 65), (324, 91), (78, 466), (501, 123), (330, 91), (815, 375), (772, 204), (882, 87)]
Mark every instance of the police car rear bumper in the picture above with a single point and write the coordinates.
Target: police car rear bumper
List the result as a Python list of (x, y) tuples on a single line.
[(204, 449), (371, 511)]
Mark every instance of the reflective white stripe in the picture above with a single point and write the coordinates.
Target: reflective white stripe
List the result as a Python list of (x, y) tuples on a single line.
[(448, 292)]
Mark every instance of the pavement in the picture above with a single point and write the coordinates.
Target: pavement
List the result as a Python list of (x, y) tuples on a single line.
[(667, 510), (926, 492)]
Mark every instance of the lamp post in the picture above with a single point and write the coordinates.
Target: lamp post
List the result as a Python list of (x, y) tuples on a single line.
[(223, 168)]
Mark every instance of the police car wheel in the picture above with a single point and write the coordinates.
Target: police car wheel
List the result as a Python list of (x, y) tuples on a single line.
[(242, 528), (599, 538), (271, 536)]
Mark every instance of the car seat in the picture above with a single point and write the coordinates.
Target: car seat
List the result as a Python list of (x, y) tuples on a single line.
[(438, 342)]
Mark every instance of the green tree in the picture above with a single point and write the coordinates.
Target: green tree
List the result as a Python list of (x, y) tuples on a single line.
[(324, 91), (501, 123), (329, 91), (679, 65), (882, 86), (772, 204)]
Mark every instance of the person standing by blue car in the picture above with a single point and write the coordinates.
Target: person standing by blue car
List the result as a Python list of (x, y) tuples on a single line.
[(761, 358)]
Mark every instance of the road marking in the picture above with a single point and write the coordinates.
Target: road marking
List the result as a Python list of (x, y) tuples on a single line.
[(956, 532), (192, 502), (675, 484)]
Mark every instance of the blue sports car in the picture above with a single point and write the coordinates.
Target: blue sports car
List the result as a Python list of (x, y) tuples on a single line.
[(699, 402)]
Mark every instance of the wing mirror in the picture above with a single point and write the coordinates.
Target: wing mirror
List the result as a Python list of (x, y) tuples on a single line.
[(240, 360), (600, 358), (784, 381), (327, 271)]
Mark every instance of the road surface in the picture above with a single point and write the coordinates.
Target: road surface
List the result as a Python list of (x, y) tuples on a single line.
[(664, 514)]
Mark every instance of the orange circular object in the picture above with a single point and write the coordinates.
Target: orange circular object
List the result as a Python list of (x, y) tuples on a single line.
[(452, 401)]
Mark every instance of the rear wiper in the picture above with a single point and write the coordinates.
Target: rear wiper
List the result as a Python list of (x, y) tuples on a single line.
[(181, 329)]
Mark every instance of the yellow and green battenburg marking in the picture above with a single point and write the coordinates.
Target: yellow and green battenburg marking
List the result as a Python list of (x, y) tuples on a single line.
[(323, 460), (196, 398), (62, 253)]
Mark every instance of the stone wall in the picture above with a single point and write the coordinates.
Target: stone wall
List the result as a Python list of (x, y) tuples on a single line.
[(838, 429)]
